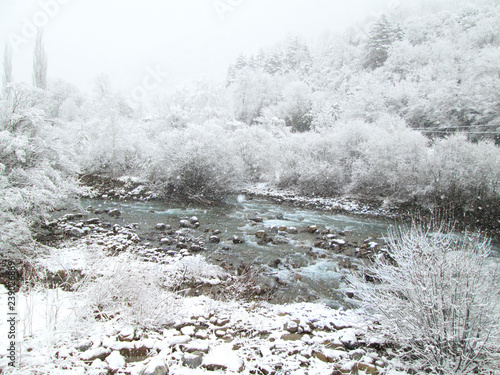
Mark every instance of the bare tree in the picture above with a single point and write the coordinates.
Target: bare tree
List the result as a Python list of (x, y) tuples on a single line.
[(436, 294), (40, 63), (7, 70)]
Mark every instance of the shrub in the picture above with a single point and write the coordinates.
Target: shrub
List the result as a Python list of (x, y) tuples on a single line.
[(436, 294), (133, 290), (196, 162)]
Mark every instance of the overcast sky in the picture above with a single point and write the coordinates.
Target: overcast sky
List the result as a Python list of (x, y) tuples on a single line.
[(183, 39)]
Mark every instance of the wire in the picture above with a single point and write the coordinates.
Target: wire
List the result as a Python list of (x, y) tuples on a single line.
[(447, 132), (455, 127)]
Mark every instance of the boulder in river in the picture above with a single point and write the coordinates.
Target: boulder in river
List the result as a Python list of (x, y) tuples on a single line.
[(237, 240), (185, 224), (114, 212), (312, 229), (214, 239), (162, 226), (261, 234)]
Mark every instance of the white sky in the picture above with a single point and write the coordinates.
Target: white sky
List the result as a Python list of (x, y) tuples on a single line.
[(187, 39)]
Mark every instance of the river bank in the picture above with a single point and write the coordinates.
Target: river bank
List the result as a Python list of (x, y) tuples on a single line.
[(104, 304), (478, 218), (131, 284)]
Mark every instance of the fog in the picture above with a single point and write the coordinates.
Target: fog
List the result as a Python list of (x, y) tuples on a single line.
[(183, 40)]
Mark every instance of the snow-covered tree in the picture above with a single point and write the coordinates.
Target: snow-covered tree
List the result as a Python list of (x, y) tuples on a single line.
[(40, 63), (7, 70), (381, 37), (36, 170)]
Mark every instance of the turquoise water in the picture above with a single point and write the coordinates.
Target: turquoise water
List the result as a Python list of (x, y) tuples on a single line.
[(304, 271)]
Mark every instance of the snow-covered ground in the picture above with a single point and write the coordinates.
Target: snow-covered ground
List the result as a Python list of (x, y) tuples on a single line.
[(340, 204), (120, 318)]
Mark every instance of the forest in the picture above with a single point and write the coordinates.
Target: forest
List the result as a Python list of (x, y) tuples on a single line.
[(402, 111), (407, 112)]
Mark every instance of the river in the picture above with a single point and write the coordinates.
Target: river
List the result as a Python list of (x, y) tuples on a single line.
[(301, 270)]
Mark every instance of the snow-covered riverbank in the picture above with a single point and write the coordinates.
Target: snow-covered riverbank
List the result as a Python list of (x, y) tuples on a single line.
[(120, 317)]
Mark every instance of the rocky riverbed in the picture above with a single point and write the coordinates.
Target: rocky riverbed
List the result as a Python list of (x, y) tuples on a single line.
[(278, 258), (217, 318), (115, 295)]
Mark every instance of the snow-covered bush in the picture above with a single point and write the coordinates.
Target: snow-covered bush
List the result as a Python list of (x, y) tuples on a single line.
[(463, 171), (392, 162), (436, 294), (196, 162), (131, 290)]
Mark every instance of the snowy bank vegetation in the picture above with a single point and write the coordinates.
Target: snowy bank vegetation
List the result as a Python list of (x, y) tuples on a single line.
[(407, 112), (436, 295), (36, 170)]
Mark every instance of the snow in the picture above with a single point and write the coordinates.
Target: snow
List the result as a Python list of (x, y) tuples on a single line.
[(223, 356), (52, 323), (115, 361)]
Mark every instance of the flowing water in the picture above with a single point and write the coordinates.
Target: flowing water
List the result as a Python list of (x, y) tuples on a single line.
[(300, 270)]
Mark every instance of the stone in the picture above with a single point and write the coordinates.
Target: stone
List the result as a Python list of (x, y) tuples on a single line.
[(223, 357), (291, 337), (196, 346), (188, 330), (322, 357), (127, 334), (260, 234), (214, 239), (338, 242), (114, 212), (92, 354), (94, 220), (83, 345), (76, 232), (201, 334), (115, 361), (292, 230), (237, 240), (192, 360), (196, 248), (292, 326), (348, 338), (257, 219), (220, 333), (163, 226), (157, 366), (185, 224), (367, 368), (166, 241), (312, 229), (193, 220), (63, 353), (280, 240)]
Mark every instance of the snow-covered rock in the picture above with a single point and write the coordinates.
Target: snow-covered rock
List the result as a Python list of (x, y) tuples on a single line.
[(157, 366), (115, 361), (92, 354), (223, 357), (127, 334)]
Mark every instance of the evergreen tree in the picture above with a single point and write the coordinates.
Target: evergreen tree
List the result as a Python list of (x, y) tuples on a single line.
[(297, 56), (40, 63), (7, 70), (381, 37)]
